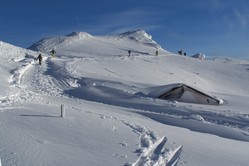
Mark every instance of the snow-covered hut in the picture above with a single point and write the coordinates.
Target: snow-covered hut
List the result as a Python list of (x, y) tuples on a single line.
[(184, 93)]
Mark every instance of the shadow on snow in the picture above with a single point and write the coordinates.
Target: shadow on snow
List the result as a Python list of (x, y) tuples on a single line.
[(104, 91)]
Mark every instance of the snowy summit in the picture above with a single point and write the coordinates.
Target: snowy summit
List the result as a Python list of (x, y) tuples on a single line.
[(120, 100)]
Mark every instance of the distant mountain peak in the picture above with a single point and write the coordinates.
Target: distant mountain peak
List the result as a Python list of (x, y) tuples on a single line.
[(141, 36), (78, 34), (136, 33), (78, 38), (47, 44)]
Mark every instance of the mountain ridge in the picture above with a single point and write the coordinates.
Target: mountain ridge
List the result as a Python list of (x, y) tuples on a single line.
[(138, 36)]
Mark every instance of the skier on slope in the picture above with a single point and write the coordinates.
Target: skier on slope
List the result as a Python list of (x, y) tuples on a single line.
[(39, 58), (180, 52), (53, 53), (129, 53), (156, 53)]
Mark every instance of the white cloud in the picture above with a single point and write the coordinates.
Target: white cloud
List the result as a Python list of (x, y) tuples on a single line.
[(237, 19), (242, 18), (126, 20)]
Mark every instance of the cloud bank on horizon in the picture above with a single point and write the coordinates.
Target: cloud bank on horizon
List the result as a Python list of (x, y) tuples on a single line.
[(216, 27)]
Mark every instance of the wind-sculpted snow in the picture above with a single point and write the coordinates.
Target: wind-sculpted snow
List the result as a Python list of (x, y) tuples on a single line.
[(149, 143), (60, 78), (47, 44), (164, 112), (18, 73), (15, 63), (109, 120), (140, 36), (111, 45)]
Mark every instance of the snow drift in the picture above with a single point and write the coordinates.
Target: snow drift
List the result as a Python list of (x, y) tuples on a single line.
[(107, 122)]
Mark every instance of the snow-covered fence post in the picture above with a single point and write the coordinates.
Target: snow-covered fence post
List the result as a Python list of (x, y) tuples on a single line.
[(62, 112)]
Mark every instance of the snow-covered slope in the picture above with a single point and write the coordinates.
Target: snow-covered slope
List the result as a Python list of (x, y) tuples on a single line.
[(49, 43), (112, 45), (14, 62), (109, 118)]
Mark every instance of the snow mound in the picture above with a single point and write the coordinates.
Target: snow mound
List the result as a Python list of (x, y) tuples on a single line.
[(14, 57), (197, 117), (15, 61), (12, 52), (47, 44)]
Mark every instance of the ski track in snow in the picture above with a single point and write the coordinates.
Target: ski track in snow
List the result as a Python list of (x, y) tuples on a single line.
[(152, 150), (19, 92), (31, 81), (57, 77)]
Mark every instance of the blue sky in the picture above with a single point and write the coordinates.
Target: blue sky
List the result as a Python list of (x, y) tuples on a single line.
[(213, 27)]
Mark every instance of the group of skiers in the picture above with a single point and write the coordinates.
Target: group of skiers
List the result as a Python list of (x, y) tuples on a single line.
[(129, 53), (39, 58), (182, 53)]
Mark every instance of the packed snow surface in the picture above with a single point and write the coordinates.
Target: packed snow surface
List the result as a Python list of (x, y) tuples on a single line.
[(109, 118)]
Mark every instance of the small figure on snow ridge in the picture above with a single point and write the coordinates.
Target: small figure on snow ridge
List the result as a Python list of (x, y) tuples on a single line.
[(39, 58), (129, 53), (53, 53), (156, 53), (180, 52)]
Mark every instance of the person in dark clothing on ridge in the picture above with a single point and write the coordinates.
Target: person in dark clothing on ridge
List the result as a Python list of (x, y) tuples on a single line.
[(180, 52), (39, 58), (156, 53), (53, 53), (129, 53)]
